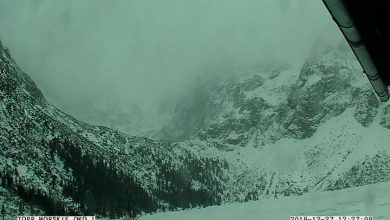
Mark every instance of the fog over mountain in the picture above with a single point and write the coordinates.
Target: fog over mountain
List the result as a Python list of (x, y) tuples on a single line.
[(126, 109), (248, 136), (119, 54)]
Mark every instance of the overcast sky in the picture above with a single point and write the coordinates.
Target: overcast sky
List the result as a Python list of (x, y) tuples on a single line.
[(138, 51)]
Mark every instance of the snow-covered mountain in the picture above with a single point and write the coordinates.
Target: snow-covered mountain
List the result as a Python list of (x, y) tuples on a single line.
[(262, 106), (51, 162), (288, 131), (271, 132)]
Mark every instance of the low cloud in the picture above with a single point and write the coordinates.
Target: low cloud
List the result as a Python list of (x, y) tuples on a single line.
[(139, 51)]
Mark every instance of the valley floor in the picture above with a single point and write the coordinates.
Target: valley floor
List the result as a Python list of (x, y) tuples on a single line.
[(372, 200)]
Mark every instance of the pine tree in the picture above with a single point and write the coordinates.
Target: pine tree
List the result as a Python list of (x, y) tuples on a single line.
[(21, 208), (3, 211), (32, 212)]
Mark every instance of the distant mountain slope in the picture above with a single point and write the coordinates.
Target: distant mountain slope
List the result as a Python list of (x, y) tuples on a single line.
[(60, 165), (127, 118)]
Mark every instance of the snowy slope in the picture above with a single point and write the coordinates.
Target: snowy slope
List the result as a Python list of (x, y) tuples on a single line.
[(341, 153), (371, 200)]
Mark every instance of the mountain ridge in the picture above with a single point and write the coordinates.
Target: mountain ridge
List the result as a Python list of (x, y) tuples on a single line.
[(73, 166), (254, 112)]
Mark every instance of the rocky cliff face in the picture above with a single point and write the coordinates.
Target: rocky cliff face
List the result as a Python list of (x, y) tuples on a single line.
[(288, 131), (265, 106)]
